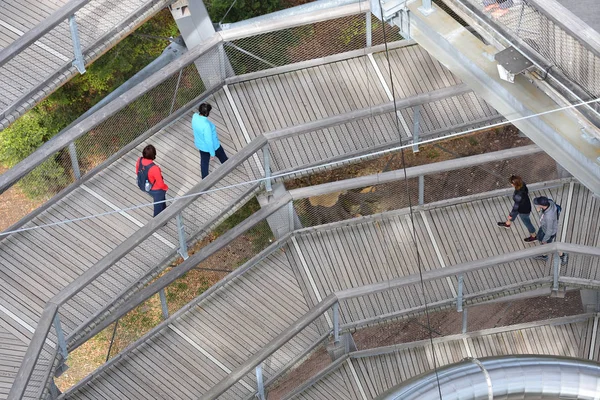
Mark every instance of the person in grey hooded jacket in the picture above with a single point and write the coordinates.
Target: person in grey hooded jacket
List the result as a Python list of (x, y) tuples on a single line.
[(548, 224)]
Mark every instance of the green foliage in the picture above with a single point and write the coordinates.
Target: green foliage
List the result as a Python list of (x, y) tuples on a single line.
[(241, 10), (21, 139), (108, 72)]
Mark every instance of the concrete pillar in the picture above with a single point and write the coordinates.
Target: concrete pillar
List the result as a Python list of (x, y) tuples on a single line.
[(590, 299), (196, 27), (284, 220)]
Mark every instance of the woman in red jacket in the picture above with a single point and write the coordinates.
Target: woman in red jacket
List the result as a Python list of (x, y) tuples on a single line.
[(158, 188)]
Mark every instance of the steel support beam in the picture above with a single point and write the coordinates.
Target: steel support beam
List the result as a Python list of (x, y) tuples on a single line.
[(74, 161), (532, 111), (78, 62)]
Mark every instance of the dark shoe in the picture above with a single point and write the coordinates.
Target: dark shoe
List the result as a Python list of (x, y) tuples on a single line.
[(541, 258), (530, 239), (564, 259), (503, 225)]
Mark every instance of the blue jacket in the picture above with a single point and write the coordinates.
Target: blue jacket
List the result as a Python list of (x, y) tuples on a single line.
[(205, 134)]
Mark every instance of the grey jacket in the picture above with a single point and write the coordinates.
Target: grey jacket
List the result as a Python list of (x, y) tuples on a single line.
[(549, 222)]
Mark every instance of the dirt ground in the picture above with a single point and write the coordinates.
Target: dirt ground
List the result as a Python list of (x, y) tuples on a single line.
[(14, 205), (442, 323)]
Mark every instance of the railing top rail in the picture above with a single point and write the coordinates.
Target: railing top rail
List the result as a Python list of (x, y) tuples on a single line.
[(33, 352), (323, 306), (40, 29), (412, 172)]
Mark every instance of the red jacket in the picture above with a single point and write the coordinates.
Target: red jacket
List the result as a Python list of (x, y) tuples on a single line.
[(154, 175)]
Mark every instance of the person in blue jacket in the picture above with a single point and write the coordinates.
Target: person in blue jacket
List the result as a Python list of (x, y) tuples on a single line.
[(205, 138)]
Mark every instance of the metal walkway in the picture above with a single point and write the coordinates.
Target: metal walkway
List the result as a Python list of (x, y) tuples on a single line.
[(198, 346), (367, 374), (37, 264), (44, 65)]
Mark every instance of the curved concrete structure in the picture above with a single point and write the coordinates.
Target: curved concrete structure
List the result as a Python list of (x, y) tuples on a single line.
[(512, 377)]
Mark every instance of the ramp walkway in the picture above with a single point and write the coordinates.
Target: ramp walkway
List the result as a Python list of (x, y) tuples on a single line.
[(37, 45), (367, 374), (226, 329), (39, 263)]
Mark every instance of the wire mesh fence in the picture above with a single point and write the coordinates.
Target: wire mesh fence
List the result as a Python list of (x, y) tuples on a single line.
[(530, 23)]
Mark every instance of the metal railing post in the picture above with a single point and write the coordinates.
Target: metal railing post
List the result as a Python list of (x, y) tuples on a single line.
[(163, 303), (421, 190), (183, 251), (459, 296), (336, 323), (464, 320), (78, 62), (368, 29), (260, 383), (267, 165), (60, 336), (291, 215), (74, 161), (426, 7), (556, 272), (416, 128)]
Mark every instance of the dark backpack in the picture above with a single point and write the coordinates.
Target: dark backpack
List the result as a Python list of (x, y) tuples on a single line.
[(142, 176)]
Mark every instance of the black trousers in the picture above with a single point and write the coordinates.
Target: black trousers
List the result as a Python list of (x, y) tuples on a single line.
[(205, 160)]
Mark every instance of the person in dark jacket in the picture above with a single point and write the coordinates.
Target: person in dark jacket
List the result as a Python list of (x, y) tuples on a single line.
[(158, 189), (521, 207)]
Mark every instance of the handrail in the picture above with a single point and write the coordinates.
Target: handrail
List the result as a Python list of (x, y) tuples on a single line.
[(413, 172), (58, 16), (65, 137), (472, 266)]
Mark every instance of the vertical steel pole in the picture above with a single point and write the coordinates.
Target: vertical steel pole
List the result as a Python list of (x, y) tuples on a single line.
[(267, 164), (78, 63), (336, 323), (62, 344), (74, 161), (416, 128), (459, 296), (291, 215), (426, 7), (183, 251), (464, 320), (163, 303), (259, 382), (368, 29), (556, 274), (421, 190)]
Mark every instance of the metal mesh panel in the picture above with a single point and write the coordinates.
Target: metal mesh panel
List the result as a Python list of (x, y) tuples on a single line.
[(304, 43), (544, 35)]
